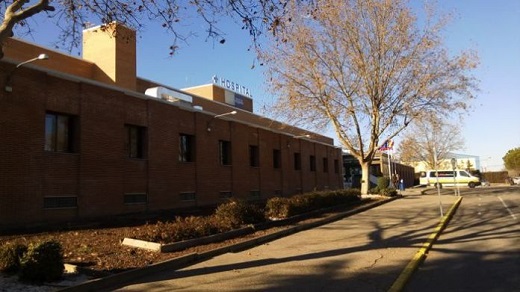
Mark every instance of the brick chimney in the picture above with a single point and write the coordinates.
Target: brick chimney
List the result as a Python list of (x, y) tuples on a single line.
[(112, 47)]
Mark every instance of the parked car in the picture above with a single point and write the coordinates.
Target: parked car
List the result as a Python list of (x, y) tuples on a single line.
[(516, 180)]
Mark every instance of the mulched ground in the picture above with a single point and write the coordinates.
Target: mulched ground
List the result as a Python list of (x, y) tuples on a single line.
[(99, 252)]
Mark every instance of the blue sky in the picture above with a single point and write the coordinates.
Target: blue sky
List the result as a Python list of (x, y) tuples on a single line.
[(492, 28)]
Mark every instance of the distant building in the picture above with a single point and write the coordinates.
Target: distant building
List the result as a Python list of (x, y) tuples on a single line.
[(464, 161), (381, 166), (86, 138)]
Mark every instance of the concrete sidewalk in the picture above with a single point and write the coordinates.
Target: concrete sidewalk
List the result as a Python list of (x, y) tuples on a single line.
[(364, 252)]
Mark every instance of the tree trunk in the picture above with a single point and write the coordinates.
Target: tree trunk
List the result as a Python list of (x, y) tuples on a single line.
[(365, 177)]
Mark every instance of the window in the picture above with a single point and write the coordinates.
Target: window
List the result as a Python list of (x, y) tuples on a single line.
[(325, 165), (134, 199), (462, 173), (254, 194), (312, 162), (187, 196), (297, 161), (254, 156), (277, 158), (59, 133), (186, 148), (135, 141), (336, 166), (225, 195), (442, 174), (224, 152), (60, 202)]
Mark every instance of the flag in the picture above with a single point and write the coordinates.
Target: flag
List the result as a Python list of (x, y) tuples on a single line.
[(388, 145)]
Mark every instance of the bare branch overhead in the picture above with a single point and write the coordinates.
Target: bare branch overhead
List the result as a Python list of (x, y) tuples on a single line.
[(367, 68)]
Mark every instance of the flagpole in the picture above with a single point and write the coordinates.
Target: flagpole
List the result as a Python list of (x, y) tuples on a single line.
[(389, 167), (387, 148)]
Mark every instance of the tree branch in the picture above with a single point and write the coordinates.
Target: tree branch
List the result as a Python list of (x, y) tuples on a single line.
[(15, 14)]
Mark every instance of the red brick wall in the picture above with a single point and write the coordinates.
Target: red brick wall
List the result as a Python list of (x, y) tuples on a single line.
[(100, 173)]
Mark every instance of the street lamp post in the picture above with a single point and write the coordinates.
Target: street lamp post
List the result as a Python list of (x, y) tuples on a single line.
[(437, 177), (225, 114), (8, 79), (454, 166), (209, 125)]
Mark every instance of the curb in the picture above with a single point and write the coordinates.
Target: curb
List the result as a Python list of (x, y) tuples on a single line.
[(116, 280), (419, 257), (176, 246)]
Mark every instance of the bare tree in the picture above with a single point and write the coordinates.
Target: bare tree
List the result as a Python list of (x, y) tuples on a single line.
[(367, 68), (71, 17), (428, 139)]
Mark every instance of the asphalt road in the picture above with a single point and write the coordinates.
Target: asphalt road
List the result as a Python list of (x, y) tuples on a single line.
[(364, 252), (480, 249)]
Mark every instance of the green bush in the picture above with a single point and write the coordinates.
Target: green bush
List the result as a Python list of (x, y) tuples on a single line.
[(10, 255), (374, 191), (43, 262), (237, 213), (383, 182)]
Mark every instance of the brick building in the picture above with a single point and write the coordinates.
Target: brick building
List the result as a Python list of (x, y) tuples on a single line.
[(82, 140)]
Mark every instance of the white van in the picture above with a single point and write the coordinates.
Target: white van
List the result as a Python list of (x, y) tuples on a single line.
[(448, 178)]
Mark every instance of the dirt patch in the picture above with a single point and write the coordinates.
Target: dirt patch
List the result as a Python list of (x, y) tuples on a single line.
[(98, 252)]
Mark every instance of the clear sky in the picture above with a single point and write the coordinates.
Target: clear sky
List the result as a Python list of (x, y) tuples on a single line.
[(492, 28)]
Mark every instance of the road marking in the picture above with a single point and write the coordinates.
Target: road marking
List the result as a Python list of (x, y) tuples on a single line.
[(509, 210), (420, 255)]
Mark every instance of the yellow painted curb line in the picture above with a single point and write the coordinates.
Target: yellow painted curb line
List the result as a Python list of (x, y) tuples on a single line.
[(412, 266)]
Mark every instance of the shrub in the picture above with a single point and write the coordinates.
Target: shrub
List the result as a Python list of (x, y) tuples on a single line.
[(389, 192), (287, 207), (194, 227), (158, 232), (42, 262), (10, 255), (277, 207), (300, 204), (383, 182), (374, 191), (236, 213), (182, 228), (344, 196)]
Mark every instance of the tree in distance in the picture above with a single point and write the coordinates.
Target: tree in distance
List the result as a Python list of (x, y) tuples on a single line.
[(512, 159), (366, 68), (430, 140)]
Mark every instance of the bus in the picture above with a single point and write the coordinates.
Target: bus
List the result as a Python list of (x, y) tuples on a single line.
[(448, 178)]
